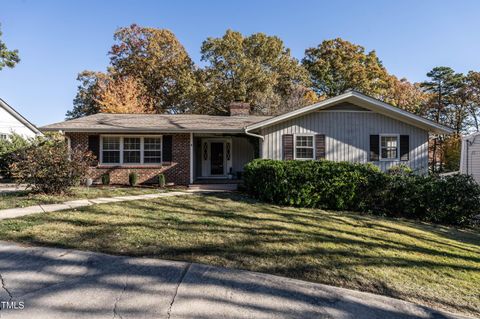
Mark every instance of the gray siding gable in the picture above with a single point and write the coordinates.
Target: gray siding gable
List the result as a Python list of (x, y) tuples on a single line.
[(345, 107), (347, 136)]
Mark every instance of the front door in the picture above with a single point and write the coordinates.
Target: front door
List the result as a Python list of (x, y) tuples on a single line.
[(217, 161)]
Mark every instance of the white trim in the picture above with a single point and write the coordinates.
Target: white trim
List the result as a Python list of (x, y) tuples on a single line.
[(19, 117), (191, 158), (121, 149), (362, 101), (205, 164), (380, 147), (295, 146), (342, 111)]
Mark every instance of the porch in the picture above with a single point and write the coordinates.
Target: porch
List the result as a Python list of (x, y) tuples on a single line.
[(220, 158)]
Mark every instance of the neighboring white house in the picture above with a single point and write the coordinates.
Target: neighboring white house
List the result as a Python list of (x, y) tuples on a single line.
[(13, 122), (470, 156)]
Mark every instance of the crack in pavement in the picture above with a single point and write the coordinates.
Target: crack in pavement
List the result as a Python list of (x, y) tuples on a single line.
[(184, 273), (115, 312), (5, 288), (70, 280)]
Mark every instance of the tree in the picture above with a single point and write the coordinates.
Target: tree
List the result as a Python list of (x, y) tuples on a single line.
[(8, 58), (124, 95), (442, 85), (85, 102), (406, 95), (257, 69), (157, 59), (161, 67), (471, 90), (446, 105), (336, 66)]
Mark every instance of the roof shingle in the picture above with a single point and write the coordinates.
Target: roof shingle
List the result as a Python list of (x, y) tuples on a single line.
[(104, 122)]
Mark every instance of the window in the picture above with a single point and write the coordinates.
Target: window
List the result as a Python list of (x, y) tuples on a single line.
[(304, 147), (111, 150), (152, 150), (131, 150), (388, 147), (3, 136)]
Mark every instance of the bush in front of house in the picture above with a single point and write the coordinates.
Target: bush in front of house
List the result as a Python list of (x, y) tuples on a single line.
[(8, 148), (161, 180), (363, 187), (106, 179), (321, 184), (453, 199), (133, 179), (48, 166)]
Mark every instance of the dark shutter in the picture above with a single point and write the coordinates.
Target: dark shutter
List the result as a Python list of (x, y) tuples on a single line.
[(94, 145), (287, 147), (167, 148), (319, 146), (374, 147), (404, 147)]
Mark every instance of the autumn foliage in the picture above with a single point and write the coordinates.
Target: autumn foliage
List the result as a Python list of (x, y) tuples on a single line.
[(124, 95), (50, 167)]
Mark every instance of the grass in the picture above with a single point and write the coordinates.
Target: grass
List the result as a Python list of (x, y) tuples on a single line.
[(434, 266), (28, 198)]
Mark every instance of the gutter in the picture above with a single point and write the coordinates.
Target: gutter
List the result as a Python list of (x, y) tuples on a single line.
[(253, 134)]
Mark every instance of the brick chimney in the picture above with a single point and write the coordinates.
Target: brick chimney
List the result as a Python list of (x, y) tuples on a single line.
[(239, 108)]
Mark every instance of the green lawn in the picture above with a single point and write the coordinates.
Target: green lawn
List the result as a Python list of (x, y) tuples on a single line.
[(28, 198), (431, 265)]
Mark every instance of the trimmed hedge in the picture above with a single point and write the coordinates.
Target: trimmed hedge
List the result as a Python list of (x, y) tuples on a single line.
[(363, 187)]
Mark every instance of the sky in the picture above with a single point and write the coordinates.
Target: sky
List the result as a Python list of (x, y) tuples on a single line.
[(58, 39)]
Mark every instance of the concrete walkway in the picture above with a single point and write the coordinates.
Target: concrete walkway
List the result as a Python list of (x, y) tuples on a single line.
[(59, 283), (23, 211)]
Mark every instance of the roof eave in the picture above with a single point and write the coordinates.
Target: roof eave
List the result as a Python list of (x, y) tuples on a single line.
[(391, 111), (19, 117), (138, 130)]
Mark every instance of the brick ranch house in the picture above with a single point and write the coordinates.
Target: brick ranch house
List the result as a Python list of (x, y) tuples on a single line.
[(190, 148)]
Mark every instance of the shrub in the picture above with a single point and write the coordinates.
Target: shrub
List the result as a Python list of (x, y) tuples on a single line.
[(133, 178), (161, 180), (8, 148), (363, 187), (106, 179), (451, 200), (322, 184), (401, 169), (49, 166)]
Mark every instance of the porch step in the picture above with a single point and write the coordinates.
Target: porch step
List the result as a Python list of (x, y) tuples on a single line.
[(213, 187)]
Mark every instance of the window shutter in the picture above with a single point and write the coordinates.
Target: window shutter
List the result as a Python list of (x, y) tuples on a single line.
[(167, 148), (94, 145), (287, 147), (319, 146), (404, 147), (374, 147)]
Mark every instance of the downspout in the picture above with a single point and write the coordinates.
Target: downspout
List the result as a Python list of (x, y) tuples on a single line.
[(253, 134), (261, 137)]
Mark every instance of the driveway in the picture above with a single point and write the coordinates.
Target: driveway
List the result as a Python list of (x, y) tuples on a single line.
[(60, 283)]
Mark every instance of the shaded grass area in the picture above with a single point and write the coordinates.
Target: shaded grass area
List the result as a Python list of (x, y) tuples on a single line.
[(28, 198), (432, 265)]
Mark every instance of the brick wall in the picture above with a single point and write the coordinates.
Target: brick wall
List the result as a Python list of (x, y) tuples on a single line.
[(177, 171)]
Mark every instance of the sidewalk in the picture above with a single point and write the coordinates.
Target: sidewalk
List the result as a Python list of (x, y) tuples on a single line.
[(23, 211), (72, 284)]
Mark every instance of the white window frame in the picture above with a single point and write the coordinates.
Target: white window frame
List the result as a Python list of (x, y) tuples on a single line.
[(3, 136), (380, 148), (295, 147), (121, 163)]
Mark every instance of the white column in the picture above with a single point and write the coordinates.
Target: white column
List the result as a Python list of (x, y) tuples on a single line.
[(191, 158)]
